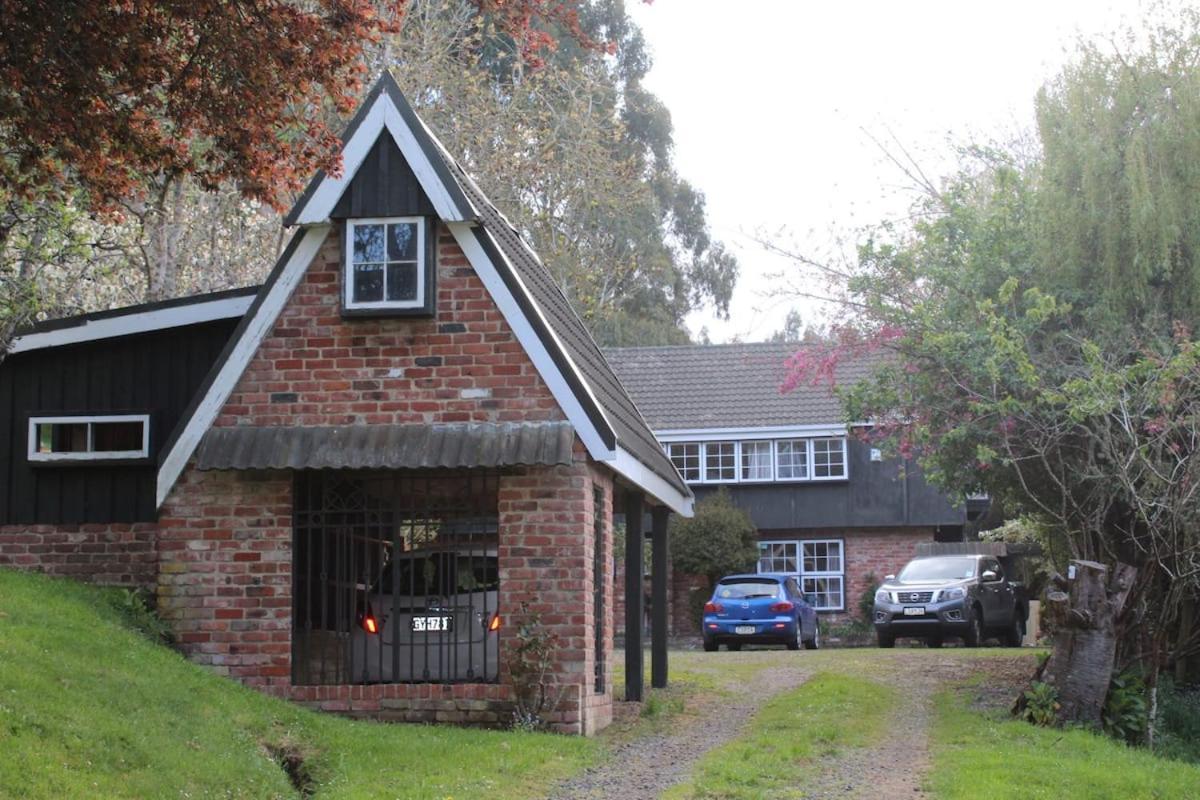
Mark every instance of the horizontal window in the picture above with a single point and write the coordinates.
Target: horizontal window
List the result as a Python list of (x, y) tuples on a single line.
[(89, 438), (760, 460)]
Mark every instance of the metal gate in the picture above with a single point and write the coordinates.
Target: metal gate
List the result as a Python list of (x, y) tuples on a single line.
[(395, 577)]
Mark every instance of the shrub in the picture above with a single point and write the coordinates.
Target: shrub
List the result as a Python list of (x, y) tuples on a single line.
[(866, 601), (718, 540), (1178, 721), (1041, 704), (1124, 715), (529, 661), (136, 613)]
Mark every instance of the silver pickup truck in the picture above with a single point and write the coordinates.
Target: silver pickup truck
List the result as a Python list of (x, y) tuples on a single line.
[(942, 597)]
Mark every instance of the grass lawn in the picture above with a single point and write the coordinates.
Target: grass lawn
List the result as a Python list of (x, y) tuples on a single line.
[(987, 754), (788, 736), (91, 708)]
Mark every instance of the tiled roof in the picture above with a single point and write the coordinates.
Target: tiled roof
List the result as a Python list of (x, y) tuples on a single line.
[(726, 386)]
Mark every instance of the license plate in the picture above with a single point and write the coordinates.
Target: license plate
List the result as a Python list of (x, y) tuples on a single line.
[(743, 629), (433, 624), (914, 611)]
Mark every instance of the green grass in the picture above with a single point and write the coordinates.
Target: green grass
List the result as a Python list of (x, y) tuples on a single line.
[(788, 736), (982, 754), (90, 708)]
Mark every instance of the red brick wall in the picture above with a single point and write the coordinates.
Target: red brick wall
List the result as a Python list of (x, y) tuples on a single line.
[(316, 368), (116, 554), (226, 543)]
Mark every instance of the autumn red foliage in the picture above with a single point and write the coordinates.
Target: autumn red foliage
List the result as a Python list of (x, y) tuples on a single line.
[(101, 94)]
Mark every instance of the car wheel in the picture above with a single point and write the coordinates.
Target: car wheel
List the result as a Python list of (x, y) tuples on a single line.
[(709, 645), (794, 642), (974, 634), (815, 642), (934, 642), (886, 639), (1013, 634), (733, 648)]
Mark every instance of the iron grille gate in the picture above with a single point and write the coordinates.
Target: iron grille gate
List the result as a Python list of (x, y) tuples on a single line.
[(599, 580), (395, 577)]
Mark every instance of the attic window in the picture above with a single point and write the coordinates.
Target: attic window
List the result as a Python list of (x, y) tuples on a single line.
[(387, 265), (101, 438)]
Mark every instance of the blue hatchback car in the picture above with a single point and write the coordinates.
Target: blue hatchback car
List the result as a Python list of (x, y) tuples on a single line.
[(759, 609)]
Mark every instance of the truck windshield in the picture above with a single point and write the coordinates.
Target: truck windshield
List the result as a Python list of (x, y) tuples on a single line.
[(937, 569)]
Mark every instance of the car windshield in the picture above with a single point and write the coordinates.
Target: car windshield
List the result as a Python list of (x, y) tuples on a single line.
[(745, 588), (937, 569)]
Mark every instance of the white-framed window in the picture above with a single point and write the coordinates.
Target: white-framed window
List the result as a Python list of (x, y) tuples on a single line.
[(89, 438), (783, 557), (686, 458), (829, 458), (791, 460), (818, 564), (385, 263), (756, 461), (720, 461)]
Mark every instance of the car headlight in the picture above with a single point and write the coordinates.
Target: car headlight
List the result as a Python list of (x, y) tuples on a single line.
[(883, 597), (954, 593)]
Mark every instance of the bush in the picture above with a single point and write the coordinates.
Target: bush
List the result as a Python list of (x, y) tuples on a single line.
[(134, 607), (718, 540), (1125, 712), (866, 601), (529, 661), (1041, 704), (1178, 721)]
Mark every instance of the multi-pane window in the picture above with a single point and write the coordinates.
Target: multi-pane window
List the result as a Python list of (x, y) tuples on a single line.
[(819, 565), (759, 460), (829, 458), (384, 265), (756, 461), (686, 458), (778, 557), (791, 459), (720, 461), (96, 438)]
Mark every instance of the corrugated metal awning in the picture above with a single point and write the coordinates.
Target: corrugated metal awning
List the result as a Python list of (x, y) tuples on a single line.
[(476, 444)]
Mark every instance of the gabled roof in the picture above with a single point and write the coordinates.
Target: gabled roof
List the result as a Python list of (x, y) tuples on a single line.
[(698, 387), (552, 334)]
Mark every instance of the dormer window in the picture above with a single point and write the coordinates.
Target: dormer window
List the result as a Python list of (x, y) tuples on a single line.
[(388, 266)]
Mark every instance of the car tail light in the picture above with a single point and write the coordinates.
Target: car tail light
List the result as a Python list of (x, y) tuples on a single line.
[(369, 624), (713, 608), (786, 605), (494, 623)]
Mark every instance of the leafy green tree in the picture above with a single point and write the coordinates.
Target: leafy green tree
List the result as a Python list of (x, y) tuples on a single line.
[(718, 540)]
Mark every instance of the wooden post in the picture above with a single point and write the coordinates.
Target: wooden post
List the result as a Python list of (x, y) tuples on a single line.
[(660, 559), (634, 605)]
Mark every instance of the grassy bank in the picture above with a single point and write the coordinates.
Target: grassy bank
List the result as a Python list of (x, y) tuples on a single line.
[(91, 708)]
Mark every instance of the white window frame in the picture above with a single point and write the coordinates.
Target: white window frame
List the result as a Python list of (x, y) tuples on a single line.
[(699, 459), (348, 266), (801, 574), (741, 450), (812, 459), (807, 460), (704, 462), (90, 455)]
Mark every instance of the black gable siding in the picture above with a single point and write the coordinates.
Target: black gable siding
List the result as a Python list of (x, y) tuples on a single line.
[(384, 186), (876, 494), (153, 373)]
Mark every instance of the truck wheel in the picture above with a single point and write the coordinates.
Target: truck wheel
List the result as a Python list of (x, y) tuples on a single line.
[(886, 640), (1013, 634), (973, 636)]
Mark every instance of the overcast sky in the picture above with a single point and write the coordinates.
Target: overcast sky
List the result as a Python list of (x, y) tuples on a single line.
[(774, 103)]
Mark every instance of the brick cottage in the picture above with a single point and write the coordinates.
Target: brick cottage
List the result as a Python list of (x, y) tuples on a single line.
[(348, 485)]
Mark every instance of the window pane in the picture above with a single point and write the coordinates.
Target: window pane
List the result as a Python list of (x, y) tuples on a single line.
[(777, 557), (791, 459), (686, 458), (113, 437), (66, 437), (822, 556), (828, 460), (368, 283), (719, 461), (402, 282), (402, 241), (828, 591), (756, 461), (368, 243)]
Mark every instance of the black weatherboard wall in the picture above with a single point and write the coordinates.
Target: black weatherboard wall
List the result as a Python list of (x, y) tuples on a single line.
[(155, 373)]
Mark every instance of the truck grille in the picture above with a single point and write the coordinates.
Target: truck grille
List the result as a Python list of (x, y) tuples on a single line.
[(914, 597)]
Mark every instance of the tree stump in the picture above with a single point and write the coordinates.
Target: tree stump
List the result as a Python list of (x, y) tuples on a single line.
[(1085, 641)]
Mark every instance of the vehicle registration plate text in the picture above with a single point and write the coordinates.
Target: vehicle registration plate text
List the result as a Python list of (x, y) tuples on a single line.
[(914, 611), (743, 629), (433, 624)]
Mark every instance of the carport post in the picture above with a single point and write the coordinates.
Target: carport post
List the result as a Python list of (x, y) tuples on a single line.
[(634, 611), (660, 558)]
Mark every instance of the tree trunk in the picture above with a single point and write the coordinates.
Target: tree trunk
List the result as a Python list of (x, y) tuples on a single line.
[(1085, 641)]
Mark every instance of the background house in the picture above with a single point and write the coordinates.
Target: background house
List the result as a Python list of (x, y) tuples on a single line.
[(829, 508)]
